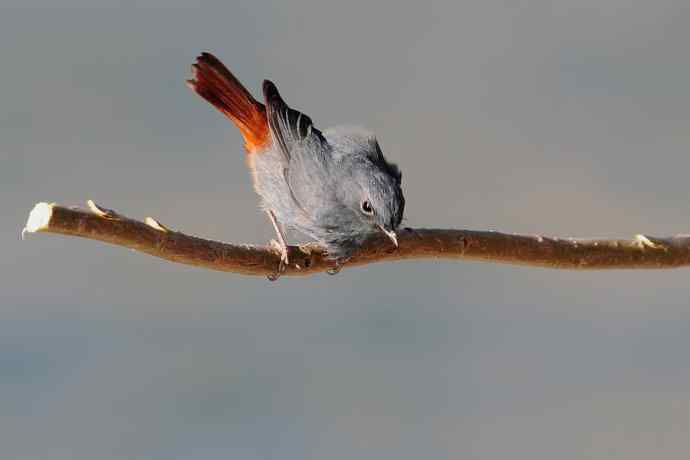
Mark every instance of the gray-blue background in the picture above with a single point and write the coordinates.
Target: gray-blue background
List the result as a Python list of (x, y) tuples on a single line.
[(569, 118)]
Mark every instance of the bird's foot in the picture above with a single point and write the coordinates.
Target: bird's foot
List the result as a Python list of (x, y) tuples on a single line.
[(284, 261), (339, 264)]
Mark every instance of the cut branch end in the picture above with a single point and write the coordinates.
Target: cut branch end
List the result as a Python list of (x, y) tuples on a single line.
[(39, 218)]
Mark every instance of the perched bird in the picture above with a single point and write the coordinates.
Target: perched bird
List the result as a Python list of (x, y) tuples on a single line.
[(334, 185)]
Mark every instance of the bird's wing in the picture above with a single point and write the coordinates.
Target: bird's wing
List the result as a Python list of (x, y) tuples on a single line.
[(288, 126), (305, 149)]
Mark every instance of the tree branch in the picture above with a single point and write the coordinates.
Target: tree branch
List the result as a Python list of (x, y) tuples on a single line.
[(151, 237)]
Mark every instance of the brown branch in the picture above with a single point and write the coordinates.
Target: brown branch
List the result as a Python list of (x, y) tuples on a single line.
[(151, 237)]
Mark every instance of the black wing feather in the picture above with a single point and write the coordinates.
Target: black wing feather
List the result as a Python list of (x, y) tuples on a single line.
[(288, 125)]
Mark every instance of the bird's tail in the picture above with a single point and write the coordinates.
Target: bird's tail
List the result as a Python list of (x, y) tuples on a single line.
[(215, 83)]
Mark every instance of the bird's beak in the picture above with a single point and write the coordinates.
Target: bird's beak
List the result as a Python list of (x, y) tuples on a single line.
[(390, 234)]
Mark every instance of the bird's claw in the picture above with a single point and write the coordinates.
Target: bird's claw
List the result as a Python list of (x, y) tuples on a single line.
[(284, 261), (339, 264)]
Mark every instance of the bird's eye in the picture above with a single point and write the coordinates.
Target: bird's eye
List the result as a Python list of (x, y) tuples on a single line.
[(366, 208)]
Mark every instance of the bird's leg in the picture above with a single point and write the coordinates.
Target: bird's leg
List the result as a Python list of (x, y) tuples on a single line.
[(280, 245)]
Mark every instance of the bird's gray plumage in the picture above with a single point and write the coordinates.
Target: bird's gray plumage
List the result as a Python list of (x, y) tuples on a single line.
[(316, 182)]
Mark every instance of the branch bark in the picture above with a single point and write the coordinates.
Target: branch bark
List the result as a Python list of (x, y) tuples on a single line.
[(151, 237)]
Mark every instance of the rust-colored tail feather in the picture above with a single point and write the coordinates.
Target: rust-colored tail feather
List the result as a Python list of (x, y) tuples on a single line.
[(214, 82)]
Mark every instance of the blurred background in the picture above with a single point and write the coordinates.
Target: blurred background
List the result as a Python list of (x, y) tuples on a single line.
[(567, 118)]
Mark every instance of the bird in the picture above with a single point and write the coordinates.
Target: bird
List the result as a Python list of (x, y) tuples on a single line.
[(334, 185)]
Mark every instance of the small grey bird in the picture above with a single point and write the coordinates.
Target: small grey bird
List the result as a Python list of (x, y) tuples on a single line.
[(334, 186)]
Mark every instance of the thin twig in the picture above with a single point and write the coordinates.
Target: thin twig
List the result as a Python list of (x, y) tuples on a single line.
[(152, 237)]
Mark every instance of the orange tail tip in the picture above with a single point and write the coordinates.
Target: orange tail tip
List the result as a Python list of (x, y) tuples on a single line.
[(215, 83)]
